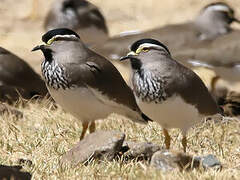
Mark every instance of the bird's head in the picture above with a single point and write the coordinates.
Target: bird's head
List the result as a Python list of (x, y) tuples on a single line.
[(56, 40), (214, 20), (145, 50), (221, 11)]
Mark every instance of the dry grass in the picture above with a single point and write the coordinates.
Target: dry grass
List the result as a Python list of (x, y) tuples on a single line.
[(43, 135)]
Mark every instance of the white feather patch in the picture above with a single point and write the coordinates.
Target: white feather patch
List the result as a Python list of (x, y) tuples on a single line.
[(218, 7), (198, 63), (128, 33), (148, 45)]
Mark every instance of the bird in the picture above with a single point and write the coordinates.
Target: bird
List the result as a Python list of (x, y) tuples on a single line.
[(166, 91), (220, 55), (213, 21), (84, 83), (17, 78), (80, 15)]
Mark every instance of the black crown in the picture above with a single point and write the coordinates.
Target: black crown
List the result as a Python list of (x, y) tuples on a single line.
[(136, 45), (60, 31)]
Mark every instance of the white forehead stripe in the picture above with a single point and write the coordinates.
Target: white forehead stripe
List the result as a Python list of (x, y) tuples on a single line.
[(72, 36), (148, 45), (218, 8), (65, 36)]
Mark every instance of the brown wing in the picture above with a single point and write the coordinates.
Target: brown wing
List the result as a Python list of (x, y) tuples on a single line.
[(192, 89), (100, 74)]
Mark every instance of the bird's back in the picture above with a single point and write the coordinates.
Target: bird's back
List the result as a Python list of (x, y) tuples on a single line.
[(108, 80)]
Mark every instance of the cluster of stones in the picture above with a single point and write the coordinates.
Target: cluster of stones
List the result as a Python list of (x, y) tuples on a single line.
[(110, 145)]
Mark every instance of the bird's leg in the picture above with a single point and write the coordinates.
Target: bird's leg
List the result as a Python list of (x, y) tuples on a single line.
[(92, 127), (85, 127), (33, 13), (213, 84), (184, 143), (167, 138)]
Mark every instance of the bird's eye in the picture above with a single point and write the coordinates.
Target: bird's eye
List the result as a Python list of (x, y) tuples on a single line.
[(145, 49)]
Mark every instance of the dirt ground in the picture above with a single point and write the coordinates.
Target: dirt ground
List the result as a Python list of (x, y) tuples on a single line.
[(20, 35)]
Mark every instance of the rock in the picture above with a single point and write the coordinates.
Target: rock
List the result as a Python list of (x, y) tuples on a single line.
[(167, 161), (13, 172), (26, 162), (139, 151), (209, 161), (10, 110), (98, 145)]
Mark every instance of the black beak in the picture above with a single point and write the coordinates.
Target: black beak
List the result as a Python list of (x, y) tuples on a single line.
[(236, 20), (124, 58), (130, 55), (39, 47)]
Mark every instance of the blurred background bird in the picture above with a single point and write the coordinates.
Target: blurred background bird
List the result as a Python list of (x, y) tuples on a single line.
[(213, 20), (18, 79), (79, 15)]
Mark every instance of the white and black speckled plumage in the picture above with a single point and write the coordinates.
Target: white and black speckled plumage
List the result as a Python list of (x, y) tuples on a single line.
[(54, 75), (148, 87)]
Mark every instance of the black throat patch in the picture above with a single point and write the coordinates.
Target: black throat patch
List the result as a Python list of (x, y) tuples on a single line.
[(136, 63)]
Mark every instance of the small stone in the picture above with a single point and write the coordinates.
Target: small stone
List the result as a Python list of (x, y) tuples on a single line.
[(98, 145), (139, 151), (209, 161), (13, 172), (168, 161), (26, 162)]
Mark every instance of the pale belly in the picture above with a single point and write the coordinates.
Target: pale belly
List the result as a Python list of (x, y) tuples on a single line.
[(88, 105), (81, 103), (173, 113)]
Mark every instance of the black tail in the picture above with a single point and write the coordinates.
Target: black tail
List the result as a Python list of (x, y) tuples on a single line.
[(146, 118)]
